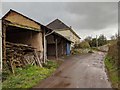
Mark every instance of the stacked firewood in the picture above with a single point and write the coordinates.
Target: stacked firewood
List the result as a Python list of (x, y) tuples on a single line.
[(20, 55)]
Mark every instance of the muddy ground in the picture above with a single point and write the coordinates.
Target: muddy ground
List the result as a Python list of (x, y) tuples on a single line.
[(79, 71)]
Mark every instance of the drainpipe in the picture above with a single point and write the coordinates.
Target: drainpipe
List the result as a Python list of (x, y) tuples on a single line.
[(45, 44)]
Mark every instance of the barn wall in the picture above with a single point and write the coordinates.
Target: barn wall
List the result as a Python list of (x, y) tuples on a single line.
[(62, 47), (50, 39), (74, 38), (51, 49), (51, 46), (36, 41), (19, 19)]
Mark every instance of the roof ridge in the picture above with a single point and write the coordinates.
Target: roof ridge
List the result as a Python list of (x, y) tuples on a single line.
[(11, 10), (57, 24)]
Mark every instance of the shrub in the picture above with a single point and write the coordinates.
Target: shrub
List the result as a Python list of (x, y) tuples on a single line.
[(76, 51), (84, 44), (113, 52), (90, 51)]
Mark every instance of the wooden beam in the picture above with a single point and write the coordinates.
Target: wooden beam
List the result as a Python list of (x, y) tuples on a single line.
[(22, 26), (38, 59), (62, 47)]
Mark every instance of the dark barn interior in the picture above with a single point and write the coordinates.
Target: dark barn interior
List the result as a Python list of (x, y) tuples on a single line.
[(51, 46), (19, 35)]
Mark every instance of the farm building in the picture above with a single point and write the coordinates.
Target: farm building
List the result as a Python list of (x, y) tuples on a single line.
[(22, 40), (57, 45), (22, 31), (64, 30)]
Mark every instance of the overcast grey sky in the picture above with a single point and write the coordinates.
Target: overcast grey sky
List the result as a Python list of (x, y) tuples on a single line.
[(86, 18)]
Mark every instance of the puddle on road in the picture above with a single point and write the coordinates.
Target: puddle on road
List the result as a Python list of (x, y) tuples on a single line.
[(58, 73), (65, 77), (62, 84)]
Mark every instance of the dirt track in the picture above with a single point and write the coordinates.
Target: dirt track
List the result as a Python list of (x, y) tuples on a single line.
[(79, 71)]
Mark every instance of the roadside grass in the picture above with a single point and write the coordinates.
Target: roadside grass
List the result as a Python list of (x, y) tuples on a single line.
[(53, 64), (29, 76), (112, 64), (112, 71)]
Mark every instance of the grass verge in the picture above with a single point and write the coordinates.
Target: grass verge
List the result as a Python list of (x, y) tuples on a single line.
[(29, 76), (112, 71)]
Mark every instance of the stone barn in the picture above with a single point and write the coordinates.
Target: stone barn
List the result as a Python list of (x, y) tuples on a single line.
[(19, 29), (65, 30), (21, 32)]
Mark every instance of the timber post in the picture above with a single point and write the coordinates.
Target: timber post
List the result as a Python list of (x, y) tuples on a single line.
[(1, 43), (56, 49), (4, 26), (62, 48), (44, 55)]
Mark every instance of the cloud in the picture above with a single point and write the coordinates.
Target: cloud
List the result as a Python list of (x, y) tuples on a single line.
[(84, 17), (108, 32), (95, 15), (60, 0)]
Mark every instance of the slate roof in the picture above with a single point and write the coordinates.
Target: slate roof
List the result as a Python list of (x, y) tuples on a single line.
[(57, 24)]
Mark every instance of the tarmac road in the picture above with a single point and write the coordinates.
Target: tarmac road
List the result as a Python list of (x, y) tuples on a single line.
[(79, 71)]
